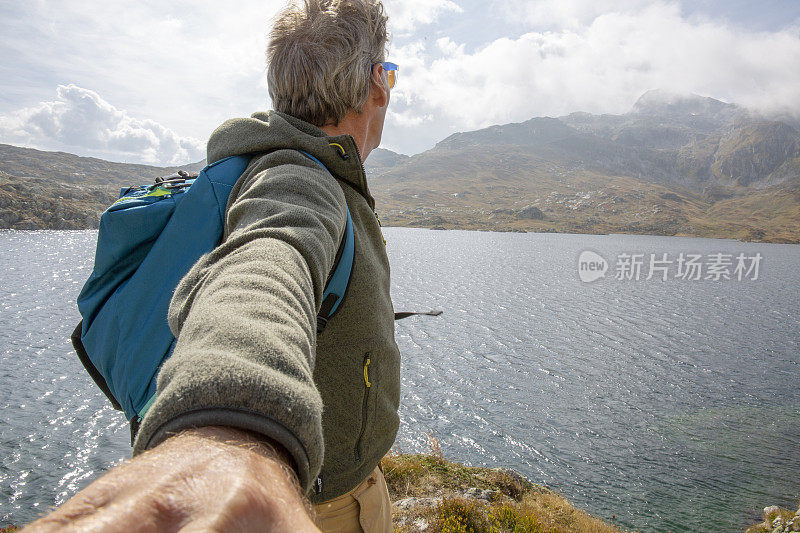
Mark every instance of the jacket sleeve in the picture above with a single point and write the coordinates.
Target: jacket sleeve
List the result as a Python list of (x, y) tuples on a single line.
[(245, 316)]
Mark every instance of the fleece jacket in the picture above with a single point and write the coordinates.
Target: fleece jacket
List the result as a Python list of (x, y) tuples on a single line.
[(247, 354)]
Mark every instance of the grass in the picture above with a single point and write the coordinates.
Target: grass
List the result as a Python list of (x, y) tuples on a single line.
[(457, 196), (516, 505)]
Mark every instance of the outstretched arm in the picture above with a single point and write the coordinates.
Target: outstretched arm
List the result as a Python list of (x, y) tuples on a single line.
[(209, 479), (245, 315), (245, 321)]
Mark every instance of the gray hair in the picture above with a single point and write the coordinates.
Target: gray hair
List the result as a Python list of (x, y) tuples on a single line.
[(320, 56)]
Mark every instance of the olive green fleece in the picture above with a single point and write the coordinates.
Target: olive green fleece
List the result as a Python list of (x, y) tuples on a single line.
[(247, 354)]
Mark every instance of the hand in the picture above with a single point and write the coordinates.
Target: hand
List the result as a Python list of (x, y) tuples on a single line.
[(209, 479)]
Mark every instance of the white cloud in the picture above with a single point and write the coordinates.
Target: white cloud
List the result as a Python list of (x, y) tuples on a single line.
[(565, 14), (81, 120), (188, 64), (603, 66), (408, 119), (406, 15), (191, 64)]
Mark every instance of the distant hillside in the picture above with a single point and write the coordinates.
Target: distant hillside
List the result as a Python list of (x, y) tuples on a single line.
[(673, 165), (381, 159), (57, 190)]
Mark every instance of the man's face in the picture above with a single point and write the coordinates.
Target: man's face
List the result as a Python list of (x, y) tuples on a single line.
[(379, 103)]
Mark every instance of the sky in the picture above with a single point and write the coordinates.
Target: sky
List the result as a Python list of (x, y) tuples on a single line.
[(147, 81)]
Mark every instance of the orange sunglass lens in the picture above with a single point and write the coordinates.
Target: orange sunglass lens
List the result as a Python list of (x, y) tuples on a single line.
[(391, 77)]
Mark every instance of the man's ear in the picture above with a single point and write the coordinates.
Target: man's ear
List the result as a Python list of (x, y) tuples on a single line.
[(378, 87)]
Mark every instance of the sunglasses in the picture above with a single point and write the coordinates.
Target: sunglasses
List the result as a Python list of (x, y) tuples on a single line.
[(391, 72)]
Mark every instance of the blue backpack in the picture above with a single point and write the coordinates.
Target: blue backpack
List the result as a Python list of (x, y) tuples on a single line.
[(148, 240)]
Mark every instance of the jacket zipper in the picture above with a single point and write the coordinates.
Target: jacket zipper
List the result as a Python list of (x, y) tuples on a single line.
[(380, 227), (364, 406), (364, 173)]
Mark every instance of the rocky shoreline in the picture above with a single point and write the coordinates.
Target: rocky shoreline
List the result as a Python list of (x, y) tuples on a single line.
[(778, 520)]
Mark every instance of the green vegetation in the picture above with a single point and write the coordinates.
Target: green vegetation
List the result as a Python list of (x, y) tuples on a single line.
[(778, 520), (447, 192), (439, 496)]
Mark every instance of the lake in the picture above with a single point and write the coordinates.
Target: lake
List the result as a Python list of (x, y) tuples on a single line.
[(669, 403)]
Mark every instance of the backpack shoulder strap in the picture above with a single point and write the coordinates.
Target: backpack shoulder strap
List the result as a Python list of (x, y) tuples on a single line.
[(339, 278)]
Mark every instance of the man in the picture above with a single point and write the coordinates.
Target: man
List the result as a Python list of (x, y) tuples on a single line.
[(253, 409)]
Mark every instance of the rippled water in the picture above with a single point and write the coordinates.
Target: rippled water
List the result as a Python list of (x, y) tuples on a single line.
[(57, 431), (670, 405)]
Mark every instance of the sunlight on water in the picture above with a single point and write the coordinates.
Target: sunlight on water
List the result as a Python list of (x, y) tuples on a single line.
[(582, 386), (671, 405), (57, 432)]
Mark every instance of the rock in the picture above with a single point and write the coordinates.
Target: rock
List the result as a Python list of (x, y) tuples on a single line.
[(514, 475), (672, 196), (482, 494), (408, 503), (405, 503), (771, 512), (8, 218), (27, 225), (435, 220), (531, 213), (420, 524)]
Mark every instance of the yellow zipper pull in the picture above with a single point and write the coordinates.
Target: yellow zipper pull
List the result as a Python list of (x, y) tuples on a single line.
[(366, 373)]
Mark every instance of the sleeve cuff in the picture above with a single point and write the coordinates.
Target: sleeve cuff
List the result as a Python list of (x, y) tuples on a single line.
[(238, 419)]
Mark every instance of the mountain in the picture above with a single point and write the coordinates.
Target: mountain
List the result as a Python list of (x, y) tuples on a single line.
[(381, 159), (688, 140), (673, 165)]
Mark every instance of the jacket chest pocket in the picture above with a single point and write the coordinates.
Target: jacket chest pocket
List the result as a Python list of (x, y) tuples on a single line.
[(367, 407)]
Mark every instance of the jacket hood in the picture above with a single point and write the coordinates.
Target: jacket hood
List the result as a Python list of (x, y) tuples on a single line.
[(270, 131)]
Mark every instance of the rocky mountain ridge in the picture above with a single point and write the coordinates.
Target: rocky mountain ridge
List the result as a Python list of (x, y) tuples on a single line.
[(691, 141)]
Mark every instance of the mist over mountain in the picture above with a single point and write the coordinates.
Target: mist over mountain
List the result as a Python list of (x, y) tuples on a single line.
[(673, 165)]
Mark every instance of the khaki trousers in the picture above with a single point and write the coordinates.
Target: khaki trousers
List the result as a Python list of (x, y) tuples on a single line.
[(365, 509)]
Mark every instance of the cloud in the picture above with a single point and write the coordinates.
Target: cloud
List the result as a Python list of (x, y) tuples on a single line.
[(81, 121), (464, 64), (600, 63), (406, 15), (565, 14), (189, 64)]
